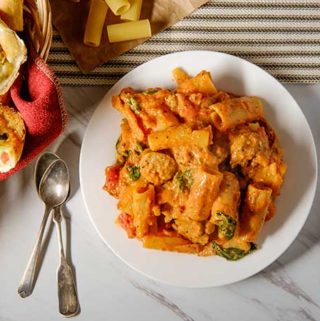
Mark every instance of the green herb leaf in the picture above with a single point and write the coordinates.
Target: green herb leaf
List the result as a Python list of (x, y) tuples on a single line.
[(134, 172), (150, 91), (123, 154), (133, 104), (232, 253), (226, 225), (184, 179), (126, 153), (118, 142), (140, 147)]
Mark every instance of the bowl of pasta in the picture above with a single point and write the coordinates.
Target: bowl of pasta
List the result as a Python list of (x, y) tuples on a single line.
[(196, 183)]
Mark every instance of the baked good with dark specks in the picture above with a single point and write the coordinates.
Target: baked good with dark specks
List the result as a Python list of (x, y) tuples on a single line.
[(12, 138)]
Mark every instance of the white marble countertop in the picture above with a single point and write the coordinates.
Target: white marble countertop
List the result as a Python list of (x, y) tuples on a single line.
[(289, 289)]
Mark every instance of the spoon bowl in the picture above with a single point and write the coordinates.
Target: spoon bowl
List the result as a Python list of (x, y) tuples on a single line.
[(55, 184), (42, 164)]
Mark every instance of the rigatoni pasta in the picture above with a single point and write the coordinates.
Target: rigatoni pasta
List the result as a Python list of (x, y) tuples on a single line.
[(201, 83), (127, 10), (118, 7), (95, 22), (197, 170), (129, 30), (173, 136), (204, 190), (133, 14), (255, 209), (142, 202), (224, 211), (233, 112)]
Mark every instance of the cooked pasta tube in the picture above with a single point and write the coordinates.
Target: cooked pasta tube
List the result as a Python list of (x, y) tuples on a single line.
[(142, 203), (125, 200), (180, 76), (201, 83), (236, 111), (94, 26), (170, 243), (192, 230), (256, 204), (11, 12), (271, 175), (204, 190), (130, 117), (179, 135), (129, 30), (224, 212), (133, 14), (165, 243), (118, 7)]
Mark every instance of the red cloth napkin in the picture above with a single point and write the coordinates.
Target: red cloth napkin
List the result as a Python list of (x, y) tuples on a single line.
[(37, 96)]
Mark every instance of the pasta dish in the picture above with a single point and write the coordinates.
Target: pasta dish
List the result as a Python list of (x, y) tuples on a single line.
[(197, 169)]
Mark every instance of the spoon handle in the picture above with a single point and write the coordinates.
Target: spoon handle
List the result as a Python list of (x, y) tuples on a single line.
[(27, 282), (68, 300)]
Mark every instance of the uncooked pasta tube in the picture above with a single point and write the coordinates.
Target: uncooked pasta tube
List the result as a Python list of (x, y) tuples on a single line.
[(129, 30), (97, 16), (133, 14), (118, 7)]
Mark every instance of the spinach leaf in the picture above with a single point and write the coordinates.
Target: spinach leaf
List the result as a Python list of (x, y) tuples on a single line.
[(134, 172), (184, 179), (226, 225), (150, 91), (140, 147), (232, 253)]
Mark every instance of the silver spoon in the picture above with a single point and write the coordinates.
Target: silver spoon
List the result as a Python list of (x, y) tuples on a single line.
[(27, 282), (42, 164), (54, 190)]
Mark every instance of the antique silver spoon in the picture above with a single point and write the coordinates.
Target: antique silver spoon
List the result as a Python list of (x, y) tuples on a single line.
[(42, 164), (54, 190), (27, 282)]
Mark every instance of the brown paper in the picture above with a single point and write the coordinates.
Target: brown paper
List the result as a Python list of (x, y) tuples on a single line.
[(69, 18)]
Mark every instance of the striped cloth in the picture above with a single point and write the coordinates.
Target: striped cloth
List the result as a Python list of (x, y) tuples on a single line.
[(281, 36)]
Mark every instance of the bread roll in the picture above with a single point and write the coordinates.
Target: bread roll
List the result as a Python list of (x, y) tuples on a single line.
[(13, 54), (11, 11), (12, 137)]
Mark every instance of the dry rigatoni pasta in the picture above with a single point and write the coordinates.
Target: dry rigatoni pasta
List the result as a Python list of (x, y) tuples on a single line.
[(118, 7), (95, 22), (129, 30), (133, 14)]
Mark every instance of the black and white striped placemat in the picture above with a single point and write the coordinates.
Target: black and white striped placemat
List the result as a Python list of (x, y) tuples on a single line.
[(281, 36)]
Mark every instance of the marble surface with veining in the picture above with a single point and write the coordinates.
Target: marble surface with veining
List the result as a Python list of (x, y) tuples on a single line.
[(288, 290)]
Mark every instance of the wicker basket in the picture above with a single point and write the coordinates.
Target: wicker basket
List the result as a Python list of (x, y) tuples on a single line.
[(39, 25)]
